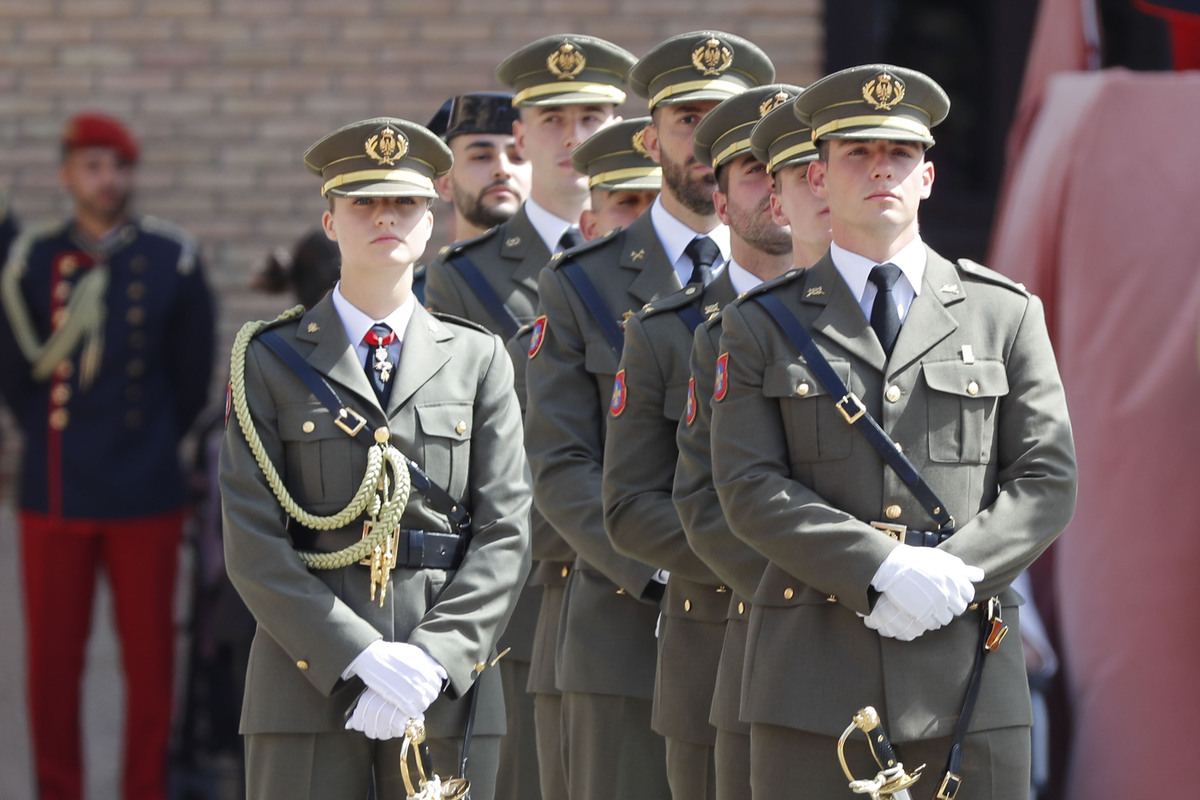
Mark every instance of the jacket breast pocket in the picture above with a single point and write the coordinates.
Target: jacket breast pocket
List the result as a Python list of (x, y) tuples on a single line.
[(963, 400), (816, 431), (446, 443), (322, 463)]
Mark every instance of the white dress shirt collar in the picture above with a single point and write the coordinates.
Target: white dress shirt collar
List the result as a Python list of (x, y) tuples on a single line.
[(357, 323), (674, 236), (549, 226), (855, 268), (742, 279)]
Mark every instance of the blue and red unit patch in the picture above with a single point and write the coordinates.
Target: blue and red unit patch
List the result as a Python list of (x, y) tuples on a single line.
[(689, 411), (538, 336), (618, 396), (721, 382)]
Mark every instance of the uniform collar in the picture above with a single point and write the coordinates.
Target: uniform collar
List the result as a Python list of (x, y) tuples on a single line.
[(675, 235), (742, 279), (855, 268), (357, 323), (548, 226)]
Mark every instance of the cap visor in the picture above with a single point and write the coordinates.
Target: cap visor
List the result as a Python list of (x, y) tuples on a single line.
[(382, 189)]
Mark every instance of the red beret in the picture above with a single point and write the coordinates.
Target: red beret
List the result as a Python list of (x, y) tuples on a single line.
[(90, 129)]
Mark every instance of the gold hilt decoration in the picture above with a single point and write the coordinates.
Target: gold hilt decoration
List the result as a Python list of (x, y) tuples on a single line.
[(428, 787), (891, 782)]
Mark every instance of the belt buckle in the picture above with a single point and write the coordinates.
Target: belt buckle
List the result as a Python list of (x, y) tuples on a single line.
[(345, 413), (951, 783), (997, 630), (852, 398), (891, 529)]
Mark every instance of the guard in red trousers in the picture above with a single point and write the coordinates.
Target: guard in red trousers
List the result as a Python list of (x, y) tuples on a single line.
[(106, 351)]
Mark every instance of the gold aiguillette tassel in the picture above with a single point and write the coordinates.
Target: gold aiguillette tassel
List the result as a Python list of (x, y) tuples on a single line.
[(387, 561)]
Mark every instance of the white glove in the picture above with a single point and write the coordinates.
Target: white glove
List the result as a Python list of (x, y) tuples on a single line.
[(376, 717), (927, 583), (404, 674), (890, 620)]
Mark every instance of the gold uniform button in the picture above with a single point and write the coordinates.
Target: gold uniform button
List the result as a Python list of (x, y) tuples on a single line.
[(64, 371), (892, 512), (480, 666), (135, 368), (741, 608), (59, 418), (802, 389), (788, 594), (302, 664), (972, 388), (893, 393), (565, 571), (309, 426), (135, 315), (60, 394), (68, 266), (461, 427), (382, 434), (62, 290), (136, 291), (687, 605)]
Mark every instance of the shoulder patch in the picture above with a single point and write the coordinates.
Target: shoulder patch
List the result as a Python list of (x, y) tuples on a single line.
[(587, 247), (721, 379), (617, 405), (689, 410), (538, 335), (972, 269)]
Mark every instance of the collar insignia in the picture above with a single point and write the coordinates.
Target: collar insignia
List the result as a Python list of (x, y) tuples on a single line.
[(949, 288), (637, 255), (816, 291), (711, 57), (512, 241), (709, 310), (313, 327), (387, 146)]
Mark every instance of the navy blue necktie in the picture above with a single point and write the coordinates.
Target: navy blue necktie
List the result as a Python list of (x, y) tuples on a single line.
[(885, 319), (571, 238), (703, 252)]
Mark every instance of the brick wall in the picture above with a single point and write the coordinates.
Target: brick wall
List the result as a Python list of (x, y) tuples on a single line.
[(225, 95)]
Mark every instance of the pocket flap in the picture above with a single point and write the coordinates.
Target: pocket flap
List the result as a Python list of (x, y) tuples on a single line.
[(797, 379), (307, 422), (448, 420), (981, 379)]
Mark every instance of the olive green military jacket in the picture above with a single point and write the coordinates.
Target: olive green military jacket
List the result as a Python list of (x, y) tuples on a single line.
[(454, 412), (973, 396), (509, 256), (639, 466), (607, 640)]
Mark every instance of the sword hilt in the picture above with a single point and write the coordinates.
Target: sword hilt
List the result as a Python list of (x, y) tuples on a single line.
[(891, 781)]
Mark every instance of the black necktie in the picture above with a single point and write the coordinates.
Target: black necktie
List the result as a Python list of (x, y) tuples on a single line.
[(571, 238), (885, 319), (379, 365), (703, 252)]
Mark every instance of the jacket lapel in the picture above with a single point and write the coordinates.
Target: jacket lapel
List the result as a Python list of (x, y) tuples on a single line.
[(421, 356), (642, 251), (841, 319), (528, 247), (333, 355), (928, 321)]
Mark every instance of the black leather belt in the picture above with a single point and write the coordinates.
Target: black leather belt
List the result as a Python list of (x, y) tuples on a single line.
[(415, 549), (902, 534)]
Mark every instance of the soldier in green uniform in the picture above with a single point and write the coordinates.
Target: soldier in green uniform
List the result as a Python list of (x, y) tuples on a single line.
[(567, 87), (606, 649), (330, 406), (640, 453), (489, 179), (780, 142), (866, 601), (622, 178)]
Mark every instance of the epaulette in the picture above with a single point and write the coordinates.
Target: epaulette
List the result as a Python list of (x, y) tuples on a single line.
[(766, 286), (458, 247), (670, 302), (972, 269), (559, 259), (465, 323), (169, 230)]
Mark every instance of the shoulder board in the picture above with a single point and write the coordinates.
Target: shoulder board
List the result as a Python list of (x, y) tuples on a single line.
[(766, 286), (559, 259), (292, 314), (977, 271), (464, 323), (683, 297), (169, 230), (458, 247)]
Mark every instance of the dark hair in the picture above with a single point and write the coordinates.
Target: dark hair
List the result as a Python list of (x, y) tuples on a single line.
[(310, 270)]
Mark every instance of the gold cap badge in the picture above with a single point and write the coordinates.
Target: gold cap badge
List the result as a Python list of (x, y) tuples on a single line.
[(639, 143), (387, 146), (771, 103), (711, 57), (883, 91), (566, 62)]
